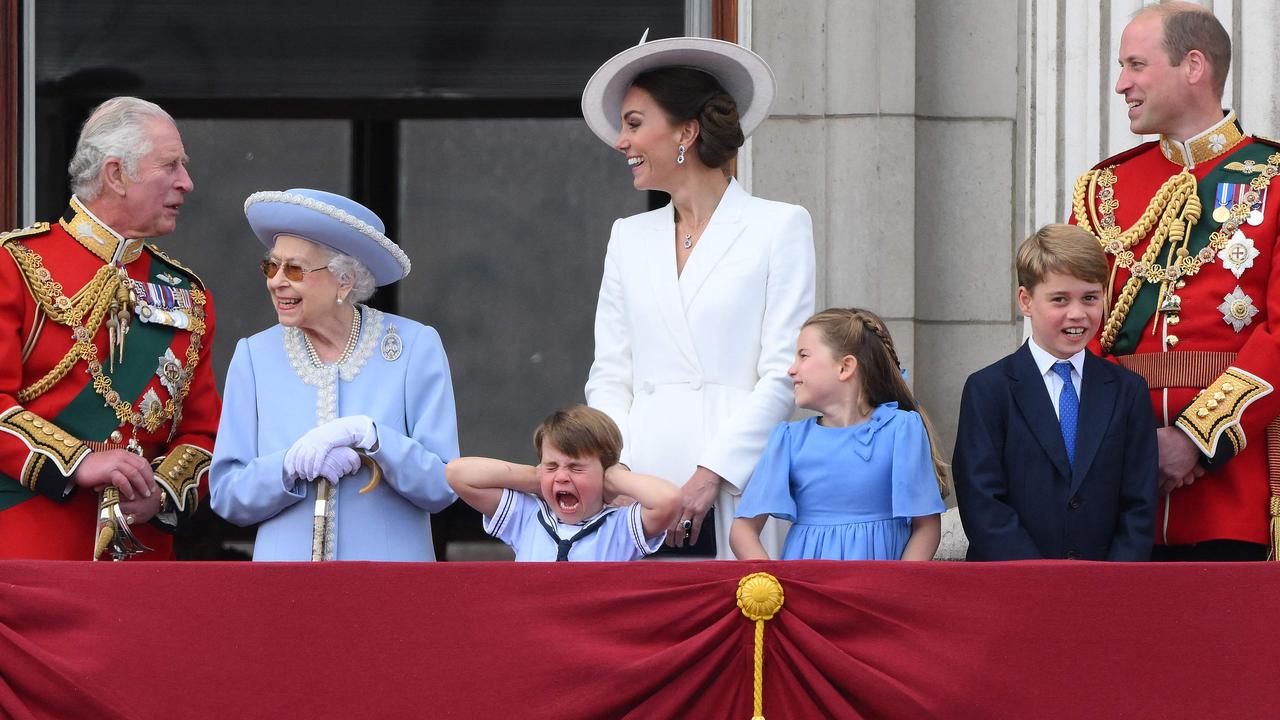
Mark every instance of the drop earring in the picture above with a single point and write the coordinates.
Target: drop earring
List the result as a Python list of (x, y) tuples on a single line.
[(680, 156)]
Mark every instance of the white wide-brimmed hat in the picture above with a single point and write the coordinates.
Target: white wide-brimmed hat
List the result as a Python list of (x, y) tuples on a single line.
[(743, 74), (334, 221)]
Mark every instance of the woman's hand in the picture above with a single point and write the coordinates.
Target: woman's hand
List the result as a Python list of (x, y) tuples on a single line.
[(305, 459), (696, 498)]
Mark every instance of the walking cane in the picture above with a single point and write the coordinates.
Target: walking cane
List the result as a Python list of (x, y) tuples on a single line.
[(324, 522)]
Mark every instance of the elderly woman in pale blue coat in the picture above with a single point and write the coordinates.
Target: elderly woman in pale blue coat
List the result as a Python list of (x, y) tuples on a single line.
[(335, 378)]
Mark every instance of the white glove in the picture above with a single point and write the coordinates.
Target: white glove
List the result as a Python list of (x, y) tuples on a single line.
[(340, 461), (304, 459), (337, 463)]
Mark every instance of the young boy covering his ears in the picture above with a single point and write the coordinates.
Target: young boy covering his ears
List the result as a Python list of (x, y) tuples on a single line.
[(556, 510)]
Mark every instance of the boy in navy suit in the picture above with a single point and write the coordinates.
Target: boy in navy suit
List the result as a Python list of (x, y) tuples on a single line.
[(1056, 449)]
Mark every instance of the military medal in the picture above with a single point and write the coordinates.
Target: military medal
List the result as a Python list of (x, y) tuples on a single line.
[(392, 345), (1222, 202), (1255, 212), (162, 304), (1239, 254)]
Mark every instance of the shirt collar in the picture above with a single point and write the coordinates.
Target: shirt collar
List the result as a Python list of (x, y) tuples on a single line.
[(1218, 139), (88, 230), (1045, 360)]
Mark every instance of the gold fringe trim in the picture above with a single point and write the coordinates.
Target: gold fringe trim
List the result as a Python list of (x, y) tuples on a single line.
[(1273, 482)]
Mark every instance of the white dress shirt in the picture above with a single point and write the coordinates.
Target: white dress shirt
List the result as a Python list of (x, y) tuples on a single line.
[(1052, 382)]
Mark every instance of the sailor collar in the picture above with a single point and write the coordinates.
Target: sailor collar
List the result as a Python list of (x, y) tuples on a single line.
[(88, 230), (1218, 139)]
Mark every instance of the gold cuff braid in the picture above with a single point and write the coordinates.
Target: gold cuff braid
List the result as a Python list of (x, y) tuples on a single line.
[(1217, 410), (44, 438), (179, 474)]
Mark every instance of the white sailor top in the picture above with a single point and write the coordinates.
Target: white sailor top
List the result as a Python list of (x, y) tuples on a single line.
[(526, 523)]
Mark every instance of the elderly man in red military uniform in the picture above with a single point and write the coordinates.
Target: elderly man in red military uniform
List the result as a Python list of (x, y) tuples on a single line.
[(107, 402), (1190, 228)]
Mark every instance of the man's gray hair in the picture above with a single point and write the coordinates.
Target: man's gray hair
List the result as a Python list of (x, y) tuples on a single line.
[(346, 268), (116, 128)]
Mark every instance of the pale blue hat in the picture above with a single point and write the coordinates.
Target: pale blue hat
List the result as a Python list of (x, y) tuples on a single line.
[(330, 220)]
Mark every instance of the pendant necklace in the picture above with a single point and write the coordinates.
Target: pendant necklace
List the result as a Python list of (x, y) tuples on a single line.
[(688, 237)]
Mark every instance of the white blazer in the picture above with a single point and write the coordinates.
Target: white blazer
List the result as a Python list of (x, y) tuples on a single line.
[(693, 367)]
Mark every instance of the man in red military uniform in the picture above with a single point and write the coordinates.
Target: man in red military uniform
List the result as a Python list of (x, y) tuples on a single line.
[(1191, 228), (105, 382)]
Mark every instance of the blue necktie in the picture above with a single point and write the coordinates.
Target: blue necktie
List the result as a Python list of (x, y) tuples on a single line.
[(1068, 409)]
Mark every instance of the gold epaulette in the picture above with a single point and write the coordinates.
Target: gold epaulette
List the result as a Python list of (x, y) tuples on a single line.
[(163, 256), (39, 228)]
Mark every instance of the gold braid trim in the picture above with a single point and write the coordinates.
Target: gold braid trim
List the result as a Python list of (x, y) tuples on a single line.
[(180, 471), (1177, 207), (31, 470), (43, 437), (1219, 408), (95, 299), (39, 228)]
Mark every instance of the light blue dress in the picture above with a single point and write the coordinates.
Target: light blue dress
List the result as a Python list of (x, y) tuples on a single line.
[(399, 376), (851, 492)]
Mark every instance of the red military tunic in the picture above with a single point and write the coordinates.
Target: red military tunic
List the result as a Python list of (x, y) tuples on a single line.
[(1198, 321), (62, 397)]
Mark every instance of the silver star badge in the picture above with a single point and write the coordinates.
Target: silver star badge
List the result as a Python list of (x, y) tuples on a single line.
[(1239, 254), (171, 372), (1237, 309)]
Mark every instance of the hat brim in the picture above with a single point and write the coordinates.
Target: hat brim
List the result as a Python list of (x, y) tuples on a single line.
[(274, 214), (743, 74)]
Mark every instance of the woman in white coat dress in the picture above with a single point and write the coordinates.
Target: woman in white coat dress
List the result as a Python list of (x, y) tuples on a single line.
[(702, 300)]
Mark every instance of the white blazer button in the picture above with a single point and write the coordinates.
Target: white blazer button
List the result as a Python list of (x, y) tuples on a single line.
[(646, 387), (696, 383)]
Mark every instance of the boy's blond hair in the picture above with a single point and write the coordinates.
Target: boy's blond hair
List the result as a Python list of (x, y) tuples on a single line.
[(1065, 249), (580, 431)]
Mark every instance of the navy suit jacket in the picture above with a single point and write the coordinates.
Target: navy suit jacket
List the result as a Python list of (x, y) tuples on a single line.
[(1019, 498)]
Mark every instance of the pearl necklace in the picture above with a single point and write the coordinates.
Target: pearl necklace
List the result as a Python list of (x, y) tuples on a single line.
[(352, 339)]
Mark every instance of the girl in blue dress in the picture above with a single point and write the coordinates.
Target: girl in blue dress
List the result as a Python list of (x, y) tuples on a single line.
[(863, 481)]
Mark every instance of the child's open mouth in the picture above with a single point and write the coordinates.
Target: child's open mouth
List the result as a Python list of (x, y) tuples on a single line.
[(568, 502)]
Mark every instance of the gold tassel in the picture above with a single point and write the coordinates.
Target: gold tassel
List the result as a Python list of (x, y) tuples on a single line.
[(1275, 528), (759, 598), (105, 534)]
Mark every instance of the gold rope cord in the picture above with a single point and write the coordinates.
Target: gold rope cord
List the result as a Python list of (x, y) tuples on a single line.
[(95, 298), (1177, 207), (760, 597)]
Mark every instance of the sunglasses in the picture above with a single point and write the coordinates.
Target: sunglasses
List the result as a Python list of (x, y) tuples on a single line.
[(295, 273)]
